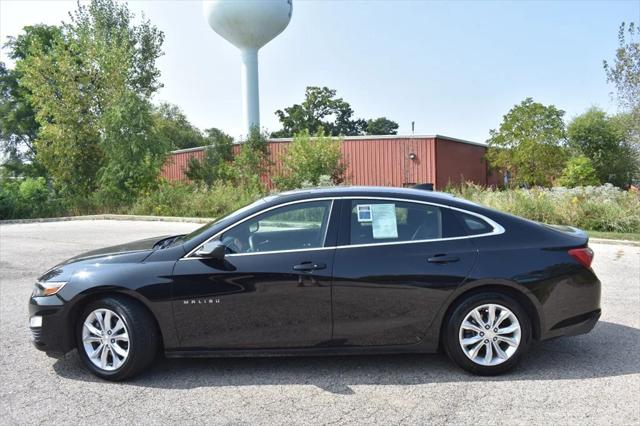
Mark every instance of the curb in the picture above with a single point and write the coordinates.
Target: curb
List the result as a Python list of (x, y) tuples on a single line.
[(614, 242), (109, 217)]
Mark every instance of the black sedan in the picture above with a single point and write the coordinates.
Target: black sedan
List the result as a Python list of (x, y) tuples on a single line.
[(344, 270)]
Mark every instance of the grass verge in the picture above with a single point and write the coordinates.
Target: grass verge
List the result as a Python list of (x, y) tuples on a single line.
[(629, 236)]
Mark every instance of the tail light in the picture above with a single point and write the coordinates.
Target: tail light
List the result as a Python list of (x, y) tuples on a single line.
[(582, 255)]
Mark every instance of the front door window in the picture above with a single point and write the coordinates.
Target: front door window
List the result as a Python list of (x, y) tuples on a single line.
[(292, 227)]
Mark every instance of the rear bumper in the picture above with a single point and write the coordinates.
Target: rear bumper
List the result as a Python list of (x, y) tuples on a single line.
[(53, 335), (571, 304), (574, 326)]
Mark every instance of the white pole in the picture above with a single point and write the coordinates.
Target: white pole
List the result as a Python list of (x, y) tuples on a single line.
[(250, 91)]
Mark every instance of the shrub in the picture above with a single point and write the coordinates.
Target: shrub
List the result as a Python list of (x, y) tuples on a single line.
[(34, 191), (578, 171), (9, 200), (32, 198), (28, 198), (252, 162), (217, 161), (308, 158), (324, 181)]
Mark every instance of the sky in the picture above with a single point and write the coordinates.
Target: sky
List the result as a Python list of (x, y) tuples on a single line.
[(454, 68)]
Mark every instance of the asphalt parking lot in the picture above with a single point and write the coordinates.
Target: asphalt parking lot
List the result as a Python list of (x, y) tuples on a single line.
[(593, 379)]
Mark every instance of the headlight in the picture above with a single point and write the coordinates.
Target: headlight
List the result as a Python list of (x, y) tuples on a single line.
[(48, 288)]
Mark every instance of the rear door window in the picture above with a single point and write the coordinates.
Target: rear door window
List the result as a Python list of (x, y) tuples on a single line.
[(382, 221)]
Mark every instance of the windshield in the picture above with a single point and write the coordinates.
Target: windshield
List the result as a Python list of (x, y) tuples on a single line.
[(230, 216)]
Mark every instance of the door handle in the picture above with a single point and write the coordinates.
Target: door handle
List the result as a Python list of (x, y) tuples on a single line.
[(443, 258), (309, 266)]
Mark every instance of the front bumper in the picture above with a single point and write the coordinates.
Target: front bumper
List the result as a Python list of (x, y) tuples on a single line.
[(54, 336)]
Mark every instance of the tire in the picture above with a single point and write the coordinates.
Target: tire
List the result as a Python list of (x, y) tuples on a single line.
[(130, 341), (495, 352)]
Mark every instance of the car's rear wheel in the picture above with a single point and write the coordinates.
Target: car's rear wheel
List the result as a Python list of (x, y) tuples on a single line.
[(116, 338), (487, 333)]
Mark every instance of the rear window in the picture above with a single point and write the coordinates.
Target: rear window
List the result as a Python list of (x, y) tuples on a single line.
[(474, 225)]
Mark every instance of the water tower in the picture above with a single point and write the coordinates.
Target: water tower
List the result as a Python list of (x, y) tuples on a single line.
[(248, 25)]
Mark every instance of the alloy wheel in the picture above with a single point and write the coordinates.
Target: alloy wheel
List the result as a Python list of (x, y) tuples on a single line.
[(105, 339), (490, 334)]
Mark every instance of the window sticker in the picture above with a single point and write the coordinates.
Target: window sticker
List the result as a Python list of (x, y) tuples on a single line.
[(384, 221), (364, 213)]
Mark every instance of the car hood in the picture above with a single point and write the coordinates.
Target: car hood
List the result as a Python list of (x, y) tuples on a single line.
[(132, 252), (133, 246)]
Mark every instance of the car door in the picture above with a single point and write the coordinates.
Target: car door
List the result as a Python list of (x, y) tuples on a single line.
[(392, 269), (273, 288)]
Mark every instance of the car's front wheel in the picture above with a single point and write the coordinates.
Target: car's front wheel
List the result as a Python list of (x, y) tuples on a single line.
[(487, 333), (116, 338)]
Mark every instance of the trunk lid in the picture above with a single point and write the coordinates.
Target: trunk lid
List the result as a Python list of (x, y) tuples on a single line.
[(582, 238)]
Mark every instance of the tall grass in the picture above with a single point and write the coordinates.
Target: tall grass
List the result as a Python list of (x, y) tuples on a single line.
[(191, 200), (600, 208)]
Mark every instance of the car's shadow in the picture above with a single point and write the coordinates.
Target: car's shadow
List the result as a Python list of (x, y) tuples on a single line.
[(609, 350)]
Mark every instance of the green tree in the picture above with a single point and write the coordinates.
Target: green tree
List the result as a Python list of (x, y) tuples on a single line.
[(18, 124), (529, 144), (382, 126), (176, 129), (133, 148), (91, 92), (309, 158), (602, 139), (61, 91), (579, 171), (213, 135), (628, 124), (320, 110), (624, 71), (216, 165)]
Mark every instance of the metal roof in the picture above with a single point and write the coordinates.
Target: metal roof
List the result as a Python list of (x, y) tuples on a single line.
[(382, 137), (356, 138)]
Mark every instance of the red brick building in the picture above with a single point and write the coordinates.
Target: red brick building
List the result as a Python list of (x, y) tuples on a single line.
[(383, 160)]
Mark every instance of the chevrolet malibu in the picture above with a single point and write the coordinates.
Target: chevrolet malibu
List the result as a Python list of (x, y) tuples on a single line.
[(347, 270)]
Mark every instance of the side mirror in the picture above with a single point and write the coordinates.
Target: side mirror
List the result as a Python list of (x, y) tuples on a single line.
[(212, 250)]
